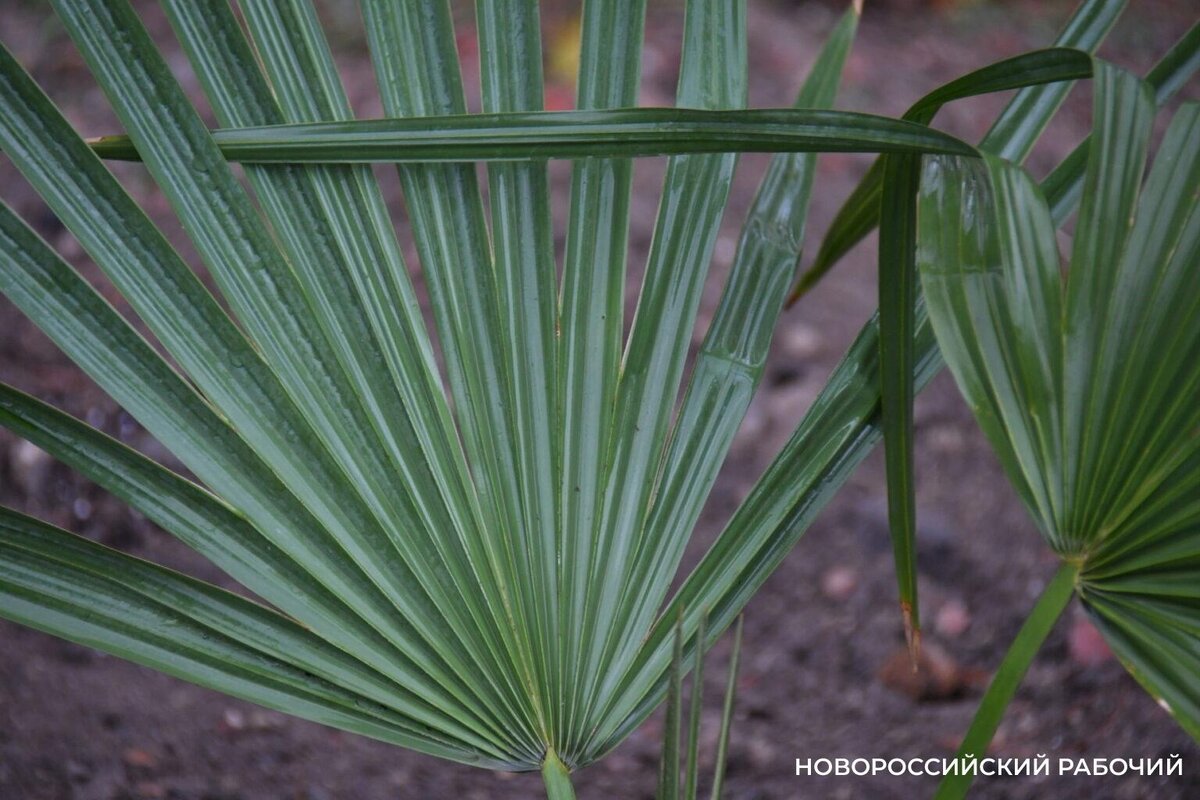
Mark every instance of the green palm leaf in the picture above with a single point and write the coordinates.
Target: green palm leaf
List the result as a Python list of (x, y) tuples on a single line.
[(1088, 388)]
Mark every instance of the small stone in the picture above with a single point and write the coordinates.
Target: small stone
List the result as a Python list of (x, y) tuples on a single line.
[(838, 583), (800, 341), (725, 250), (946, 439), (952, 619), (761, 752), (78, 771), (138, 758), (30, 464), (233, 720), (82, 509)]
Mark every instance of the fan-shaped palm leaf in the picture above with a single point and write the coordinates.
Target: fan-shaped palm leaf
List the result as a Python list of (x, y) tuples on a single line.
[(1088, 388)]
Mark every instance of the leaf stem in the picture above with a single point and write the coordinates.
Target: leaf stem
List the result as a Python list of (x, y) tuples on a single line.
[(1012, 669), (557, 778)]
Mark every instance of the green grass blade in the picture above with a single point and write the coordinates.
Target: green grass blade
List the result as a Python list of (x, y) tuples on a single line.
[(1020, 655), (695, 189), (63, 584), (897, 325), (592, 312), (729, 365), (1013, 134), (727, 714)]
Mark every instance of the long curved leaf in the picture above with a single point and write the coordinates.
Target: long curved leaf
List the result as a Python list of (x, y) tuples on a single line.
[(567, 134)]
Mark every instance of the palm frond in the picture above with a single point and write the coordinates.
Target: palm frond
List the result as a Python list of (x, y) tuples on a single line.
[(1086, 388)]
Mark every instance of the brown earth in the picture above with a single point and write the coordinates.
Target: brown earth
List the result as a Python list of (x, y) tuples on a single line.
[(819, 675)]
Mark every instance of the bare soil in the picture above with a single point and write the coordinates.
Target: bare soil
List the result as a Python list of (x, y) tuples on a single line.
[(820, 673)]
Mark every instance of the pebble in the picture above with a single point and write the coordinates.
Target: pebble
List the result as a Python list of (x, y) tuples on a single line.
[(139, 758), (761, 752), (952, 619), (838, 583), (946, 438), (233, 720), (30, 465), (78, 771), (82, 509), (800, 341)]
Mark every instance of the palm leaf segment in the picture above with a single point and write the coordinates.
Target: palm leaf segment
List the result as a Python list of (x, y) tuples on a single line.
[(1089, 388)]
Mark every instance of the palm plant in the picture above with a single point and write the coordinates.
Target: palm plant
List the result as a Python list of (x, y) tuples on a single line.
[(477, 568), (1089, 387)]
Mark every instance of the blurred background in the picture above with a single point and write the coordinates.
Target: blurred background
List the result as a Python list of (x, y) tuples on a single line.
[(824, 670)]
